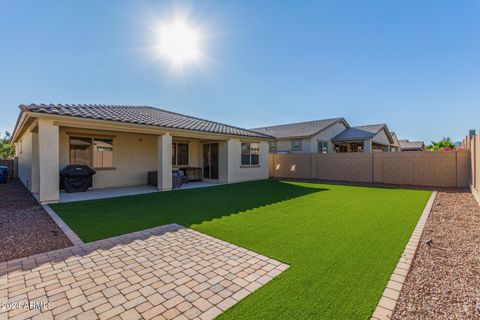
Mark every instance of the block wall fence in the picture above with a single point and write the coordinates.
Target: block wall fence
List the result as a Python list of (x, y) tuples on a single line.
[(420, 168)]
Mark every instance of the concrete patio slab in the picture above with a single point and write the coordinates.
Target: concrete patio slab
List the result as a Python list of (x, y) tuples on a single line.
[(125, 191), (106, 193), (165, 272)]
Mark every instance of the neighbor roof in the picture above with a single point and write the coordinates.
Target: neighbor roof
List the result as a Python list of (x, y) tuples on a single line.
[(299, 129), (411, 145), (144, 115), (395, 139), (360, 132)]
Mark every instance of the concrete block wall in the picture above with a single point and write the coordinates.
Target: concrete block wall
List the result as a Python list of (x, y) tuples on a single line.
[(435, 169), (355, 167)]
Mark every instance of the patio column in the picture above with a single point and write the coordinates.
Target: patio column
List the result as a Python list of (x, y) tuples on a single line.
[(164, 159), (48, 161), (367, 146)]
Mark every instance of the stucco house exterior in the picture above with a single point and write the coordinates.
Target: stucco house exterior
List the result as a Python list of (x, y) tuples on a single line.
[(366, 138), (328, 136), (124, 143), (396, 143), (305, 137)]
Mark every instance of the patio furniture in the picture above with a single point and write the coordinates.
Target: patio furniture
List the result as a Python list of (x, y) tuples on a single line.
[(76, 178), (181, 173), (178, 178), (193, 173), (176, 181)]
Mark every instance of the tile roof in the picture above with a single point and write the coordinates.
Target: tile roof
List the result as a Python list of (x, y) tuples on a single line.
[(359, 132), (300, 129), (411, 145), (144, 115)]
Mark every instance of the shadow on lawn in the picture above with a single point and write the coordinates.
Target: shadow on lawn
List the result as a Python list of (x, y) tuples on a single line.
[(185, 207)]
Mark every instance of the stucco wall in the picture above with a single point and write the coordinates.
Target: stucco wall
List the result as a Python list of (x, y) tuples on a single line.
[(381, 138), (133, 156), (436, 169), (195, 151), (326, 135), (237, 172), (286, 146), (24, 155), (310, 144)]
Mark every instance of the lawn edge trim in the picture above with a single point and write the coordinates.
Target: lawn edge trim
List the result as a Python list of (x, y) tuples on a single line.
[(388, 300), (71, 235)]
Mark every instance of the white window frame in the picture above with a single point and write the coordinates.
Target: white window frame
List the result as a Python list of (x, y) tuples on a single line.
[(251, 147), (324, 143), (292, 148), (177, 150), (274, 149)]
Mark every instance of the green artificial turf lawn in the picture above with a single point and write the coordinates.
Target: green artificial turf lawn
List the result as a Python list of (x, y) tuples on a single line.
[(341, 242)]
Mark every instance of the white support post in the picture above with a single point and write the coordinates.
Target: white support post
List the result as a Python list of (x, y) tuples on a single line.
[(164, 160), (48, 161)]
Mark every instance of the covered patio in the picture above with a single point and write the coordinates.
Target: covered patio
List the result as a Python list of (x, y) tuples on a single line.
[(131, 149)]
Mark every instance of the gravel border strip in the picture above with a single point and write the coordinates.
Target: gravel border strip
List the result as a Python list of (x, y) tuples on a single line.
[(72, 236), (388, 301)]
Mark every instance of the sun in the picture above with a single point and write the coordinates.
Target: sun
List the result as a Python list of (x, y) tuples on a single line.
[(179, 43)]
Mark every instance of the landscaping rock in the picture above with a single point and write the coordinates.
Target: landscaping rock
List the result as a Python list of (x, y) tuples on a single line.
[(25, 228), (444, 282)]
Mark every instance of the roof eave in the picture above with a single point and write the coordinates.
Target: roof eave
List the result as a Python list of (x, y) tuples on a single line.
[(56, 115)]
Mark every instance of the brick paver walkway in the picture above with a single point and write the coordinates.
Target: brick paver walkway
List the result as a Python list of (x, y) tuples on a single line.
[(165, 272)]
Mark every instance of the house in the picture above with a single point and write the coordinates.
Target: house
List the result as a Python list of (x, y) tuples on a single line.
[(407, 145), (396, 144), (305, 137), (124, 143), (367, 138), (327, 136)]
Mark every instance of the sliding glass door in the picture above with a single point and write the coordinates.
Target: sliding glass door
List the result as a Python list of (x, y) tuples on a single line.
[(210, 161)]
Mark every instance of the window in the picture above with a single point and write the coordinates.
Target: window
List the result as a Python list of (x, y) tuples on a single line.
[(179, 154), (296, 145), (250, 154), (93, 152), (322, 147), (102, 153), (272, 147)]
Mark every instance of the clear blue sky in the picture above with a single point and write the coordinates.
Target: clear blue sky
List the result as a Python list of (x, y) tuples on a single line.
[(412, 64)]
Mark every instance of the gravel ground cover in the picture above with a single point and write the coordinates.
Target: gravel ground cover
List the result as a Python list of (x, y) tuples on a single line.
[(444, 282), (25, 228)]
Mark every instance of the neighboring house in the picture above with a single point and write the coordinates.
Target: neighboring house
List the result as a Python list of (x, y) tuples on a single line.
[(304, 137), (365, 138), (406, 145), (124, 143), (396, 144)]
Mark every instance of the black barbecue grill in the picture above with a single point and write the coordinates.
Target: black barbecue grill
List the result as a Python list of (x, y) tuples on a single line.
[(76, 178)]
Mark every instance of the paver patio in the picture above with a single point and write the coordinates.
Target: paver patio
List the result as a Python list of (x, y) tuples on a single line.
[(165, 272)]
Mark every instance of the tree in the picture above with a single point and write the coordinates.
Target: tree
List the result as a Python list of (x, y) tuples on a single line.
[(445, 144), (7, 151)]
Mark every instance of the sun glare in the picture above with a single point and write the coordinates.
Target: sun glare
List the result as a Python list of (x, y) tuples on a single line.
[(179, 43)]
